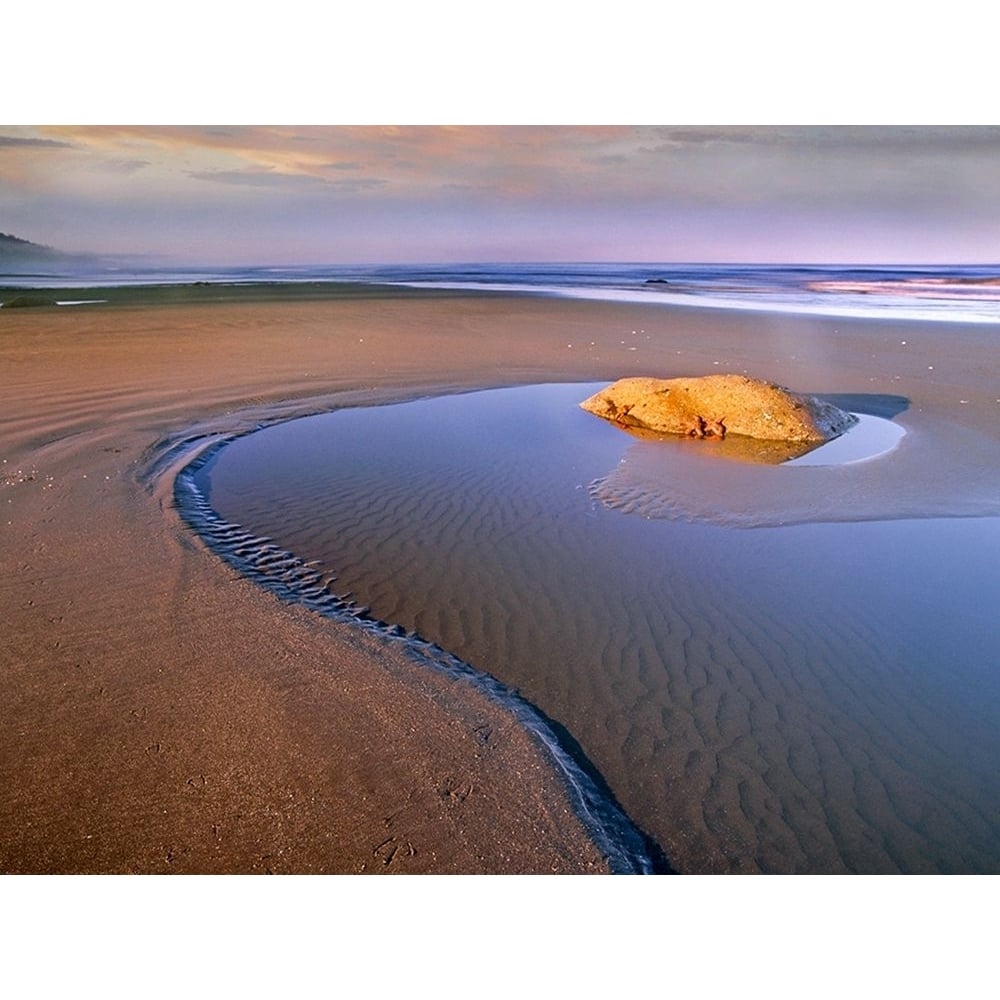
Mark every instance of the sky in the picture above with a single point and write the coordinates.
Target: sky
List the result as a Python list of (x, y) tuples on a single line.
[(359, 194)]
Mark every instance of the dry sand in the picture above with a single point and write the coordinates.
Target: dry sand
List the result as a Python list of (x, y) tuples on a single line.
[(163, 715)]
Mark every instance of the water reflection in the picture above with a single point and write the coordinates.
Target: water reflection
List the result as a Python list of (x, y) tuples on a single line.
[(813, 698), (871, 437)]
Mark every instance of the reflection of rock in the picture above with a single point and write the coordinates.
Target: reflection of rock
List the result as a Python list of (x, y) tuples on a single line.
[(746, 406)]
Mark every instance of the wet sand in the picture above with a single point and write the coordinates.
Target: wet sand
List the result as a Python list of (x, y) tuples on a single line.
[(808, 698), (166, 715)]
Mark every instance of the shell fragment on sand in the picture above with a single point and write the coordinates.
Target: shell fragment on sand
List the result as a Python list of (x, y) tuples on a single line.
[(712, 405)]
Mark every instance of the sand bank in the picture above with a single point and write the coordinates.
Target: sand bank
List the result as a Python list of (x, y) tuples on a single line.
[(165, 715)]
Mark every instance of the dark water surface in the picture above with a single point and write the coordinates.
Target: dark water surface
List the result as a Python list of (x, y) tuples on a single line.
[(811, 695)]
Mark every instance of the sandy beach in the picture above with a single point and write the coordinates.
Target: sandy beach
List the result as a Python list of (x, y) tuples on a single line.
[(165, 715)]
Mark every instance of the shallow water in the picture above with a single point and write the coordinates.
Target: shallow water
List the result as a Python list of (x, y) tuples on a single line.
[(872, 437), (819, 696)]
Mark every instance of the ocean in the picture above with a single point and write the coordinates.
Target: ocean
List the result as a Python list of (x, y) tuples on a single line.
[(968, 294)]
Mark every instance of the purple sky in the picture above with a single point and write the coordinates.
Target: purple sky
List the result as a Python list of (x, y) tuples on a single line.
[(361, 194)]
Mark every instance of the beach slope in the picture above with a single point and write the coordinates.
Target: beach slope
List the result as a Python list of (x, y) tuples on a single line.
[(164, 714)]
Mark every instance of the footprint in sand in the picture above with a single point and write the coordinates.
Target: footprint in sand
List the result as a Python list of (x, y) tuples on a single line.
[(392, 849)]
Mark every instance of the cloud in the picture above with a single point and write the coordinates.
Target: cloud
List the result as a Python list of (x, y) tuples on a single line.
[(275, 180), (125, 166), (607, 159), (358, 184), (258, 178), (28, 141), (592, 190)]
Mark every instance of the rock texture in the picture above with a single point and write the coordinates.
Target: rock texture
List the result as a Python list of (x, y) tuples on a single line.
[(714, 405)]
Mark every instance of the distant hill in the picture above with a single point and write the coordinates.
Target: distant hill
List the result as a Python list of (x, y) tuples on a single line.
[(14, 246), (17, 254)]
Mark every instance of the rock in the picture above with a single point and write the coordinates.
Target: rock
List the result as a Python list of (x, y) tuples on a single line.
[(714, 405)]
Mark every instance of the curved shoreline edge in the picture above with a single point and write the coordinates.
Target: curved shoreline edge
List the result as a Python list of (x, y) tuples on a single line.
[(124, 632), (294, 581)]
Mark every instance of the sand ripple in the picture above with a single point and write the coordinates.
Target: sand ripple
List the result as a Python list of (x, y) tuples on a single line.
[(811, 698), (298, 581), (685, 481)]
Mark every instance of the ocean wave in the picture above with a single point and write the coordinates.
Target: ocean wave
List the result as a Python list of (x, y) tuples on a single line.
[(954, 294)]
